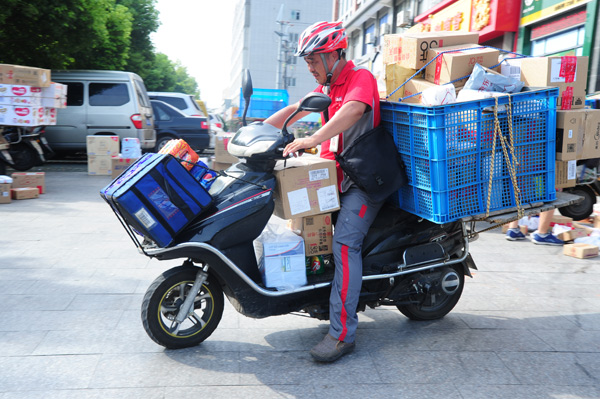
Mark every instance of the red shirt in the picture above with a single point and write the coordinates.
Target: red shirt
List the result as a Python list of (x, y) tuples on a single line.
[(353, 84)]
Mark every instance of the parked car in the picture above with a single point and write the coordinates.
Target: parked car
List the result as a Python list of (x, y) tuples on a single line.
[(171, 123), (101, 103), (183, 102), (217, 125)]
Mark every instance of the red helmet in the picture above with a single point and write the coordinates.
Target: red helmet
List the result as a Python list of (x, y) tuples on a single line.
[(321, 37)]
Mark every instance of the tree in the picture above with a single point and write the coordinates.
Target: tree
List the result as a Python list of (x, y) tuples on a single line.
[(168, 76)]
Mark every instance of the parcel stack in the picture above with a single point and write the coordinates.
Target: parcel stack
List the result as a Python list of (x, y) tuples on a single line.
[(459, 102), (306, 196), (28, 97), (21, 185)]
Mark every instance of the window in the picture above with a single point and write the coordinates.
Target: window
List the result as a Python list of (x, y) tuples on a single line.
[(160, 113), (295, 15), (108, 94), (74, 94), (174, 101), (290, 82), (554, 45)]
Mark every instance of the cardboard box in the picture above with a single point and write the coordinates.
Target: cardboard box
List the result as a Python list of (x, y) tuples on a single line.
[(581, 251), (4, 193), (317, 233), (100, 165), (24, 75), (572, 234), (569, 74), (283, 264), (565, 173), (396, 75), (21, 115), (119, 164), (417, 85), (221, 154), (307, 186), (590, 146), (570, 127), (218, 166), (411, 50), (24, 193), (102, 145), (562, 220), (30, 179), (524, 229), (458, 63)]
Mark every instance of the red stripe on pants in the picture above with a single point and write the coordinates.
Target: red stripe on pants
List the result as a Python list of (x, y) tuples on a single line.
[(345, 281), (363, 210)]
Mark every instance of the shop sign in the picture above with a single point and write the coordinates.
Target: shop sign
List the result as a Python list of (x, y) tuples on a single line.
[(535, 10), (455, 17), (559, 24)]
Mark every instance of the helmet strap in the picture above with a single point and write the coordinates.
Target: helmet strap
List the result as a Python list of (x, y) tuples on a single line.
[(329, 73)]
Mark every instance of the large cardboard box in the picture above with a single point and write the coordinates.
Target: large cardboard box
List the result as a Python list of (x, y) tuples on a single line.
[(100, 165), (21, 115), (568, 73), (317, 233), (221, 154), (580, 250), (566, 174), (4, 193), (30, 179), (590, 146), (411, 50), (458, 63), (24, 193), (24, 75), (119, 164), (570, 127), (306, 186), (102, 145)]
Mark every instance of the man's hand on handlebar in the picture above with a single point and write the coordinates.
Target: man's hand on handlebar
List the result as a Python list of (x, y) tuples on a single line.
[(299, 144)]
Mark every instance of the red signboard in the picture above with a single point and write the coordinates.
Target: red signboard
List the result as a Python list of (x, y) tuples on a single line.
[(490, 18), (559, 24)]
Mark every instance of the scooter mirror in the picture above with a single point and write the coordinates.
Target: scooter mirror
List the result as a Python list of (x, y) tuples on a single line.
[(247, 92), (314, 102)]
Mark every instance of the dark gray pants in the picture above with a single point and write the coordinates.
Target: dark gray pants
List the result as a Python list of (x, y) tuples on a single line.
[(355, 217)]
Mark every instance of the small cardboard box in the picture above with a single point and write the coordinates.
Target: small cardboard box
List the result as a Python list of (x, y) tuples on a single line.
[(568, 73), (4, 193), (221, 154), (581, 251), (307, 186), (590, 146), (570, 127), (317, 233), (30, 179), (100, 165), (523, 229), (119, 164), (411, 50), (102, 145), (458, 63), (282, 263), (562, 220), (565, 173), (24, 193), (396, 75), (572, 234)]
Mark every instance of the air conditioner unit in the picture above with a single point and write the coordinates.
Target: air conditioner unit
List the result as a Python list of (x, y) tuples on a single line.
[(403, 18), (385, 29), (370, 38)]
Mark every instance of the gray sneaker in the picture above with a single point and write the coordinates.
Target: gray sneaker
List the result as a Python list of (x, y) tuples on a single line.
[(330, 349)]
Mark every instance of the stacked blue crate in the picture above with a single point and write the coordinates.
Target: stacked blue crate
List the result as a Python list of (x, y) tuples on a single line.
[(448, 154)]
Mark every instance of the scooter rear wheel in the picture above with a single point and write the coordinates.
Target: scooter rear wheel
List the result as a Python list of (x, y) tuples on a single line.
[(165, 296), (24, 157), (434, 306)]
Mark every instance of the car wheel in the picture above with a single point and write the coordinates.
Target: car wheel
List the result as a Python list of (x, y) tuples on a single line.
[(583, 209), (161, 141)]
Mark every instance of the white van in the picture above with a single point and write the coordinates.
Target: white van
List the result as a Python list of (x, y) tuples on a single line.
[(101, 103), (183, 102)]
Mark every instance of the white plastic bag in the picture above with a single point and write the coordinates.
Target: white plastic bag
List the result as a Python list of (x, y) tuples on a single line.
[(484, 79), (439, 95)]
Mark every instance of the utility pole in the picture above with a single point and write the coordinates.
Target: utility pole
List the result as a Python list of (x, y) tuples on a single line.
[(280, 79)]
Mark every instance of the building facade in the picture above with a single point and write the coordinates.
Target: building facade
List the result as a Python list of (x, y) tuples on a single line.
[(264, 38)]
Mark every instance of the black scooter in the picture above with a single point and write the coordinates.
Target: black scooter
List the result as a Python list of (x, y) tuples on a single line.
[(413, 264), (23, 148)]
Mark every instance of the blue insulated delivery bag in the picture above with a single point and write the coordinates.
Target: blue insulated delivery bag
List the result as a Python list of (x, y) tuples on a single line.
[(157, 197)]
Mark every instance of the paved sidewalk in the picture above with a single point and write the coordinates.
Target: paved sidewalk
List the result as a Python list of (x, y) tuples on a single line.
[(527, 326)]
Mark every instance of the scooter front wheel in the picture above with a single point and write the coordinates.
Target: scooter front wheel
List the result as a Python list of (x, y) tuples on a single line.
[(165, 296)]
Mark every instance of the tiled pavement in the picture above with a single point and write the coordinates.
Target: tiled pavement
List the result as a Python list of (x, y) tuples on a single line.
[(527, 326)]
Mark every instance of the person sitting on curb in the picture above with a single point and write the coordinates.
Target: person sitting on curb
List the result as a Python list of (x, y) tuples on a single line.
[(542, 236)]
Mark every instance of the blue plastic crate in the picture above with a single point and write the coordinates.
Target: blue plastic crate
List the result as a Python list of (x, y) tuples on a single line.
[(447, 150)]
